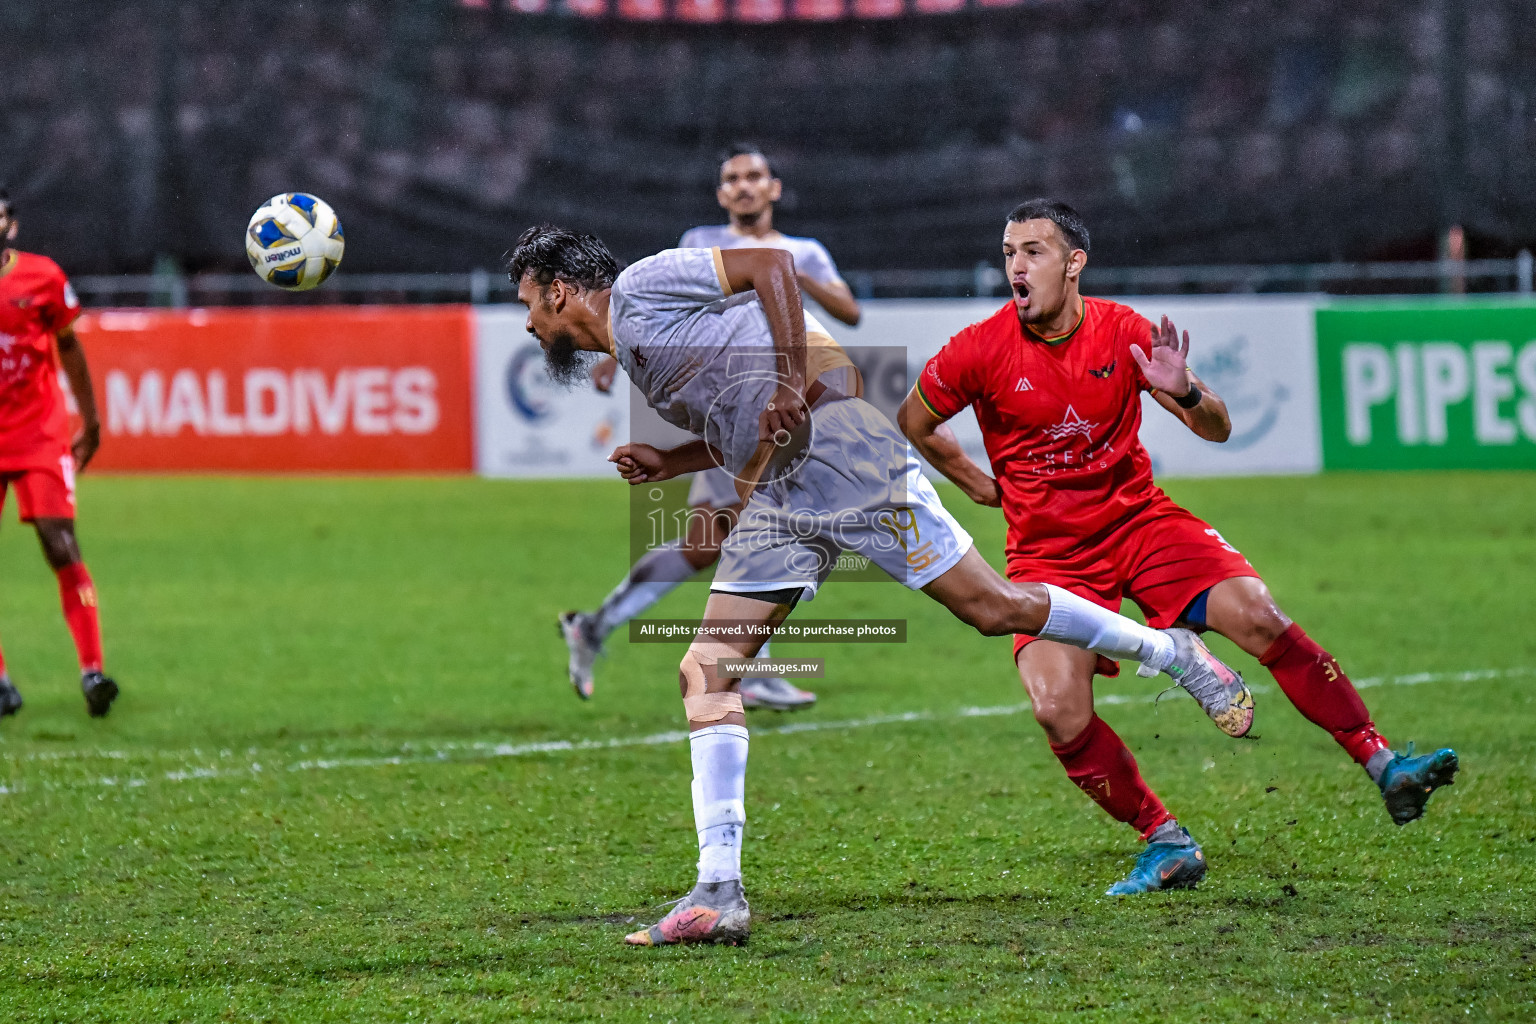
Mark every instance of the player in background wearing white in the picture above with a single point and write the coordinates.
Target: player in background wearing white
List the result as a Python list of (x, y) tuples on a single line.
[(747, 191), (717, 341)]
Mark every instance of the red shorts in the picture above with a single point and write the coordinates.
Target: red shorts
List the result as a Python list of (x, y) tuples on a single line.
[(45, 492), (1162, 558)]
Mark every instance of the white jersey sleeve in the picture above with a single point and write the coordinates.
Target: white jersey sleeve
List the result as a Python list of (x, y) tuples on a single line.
[(674, 280), (815, 262)]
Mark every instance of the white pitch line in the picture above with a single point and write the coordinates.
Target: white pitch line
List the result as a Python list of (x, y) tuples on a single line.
[(486, 751)]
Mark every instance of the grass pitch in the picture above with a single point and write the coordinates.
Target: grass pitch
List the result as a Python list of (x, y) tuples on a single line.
[(323, 794)]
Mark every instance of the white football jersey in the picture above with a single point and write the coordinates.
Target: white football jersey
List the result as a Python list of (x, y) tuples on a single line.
[(811, 257), (702, 356)]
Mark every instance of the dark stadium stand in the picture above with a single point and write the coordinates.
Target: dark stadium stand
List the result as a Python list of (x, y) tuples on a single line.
[(439, 131)]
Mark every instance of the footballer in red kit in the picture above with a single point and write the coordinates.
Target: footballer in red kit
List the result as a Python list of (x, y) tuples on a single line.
[(1056, 380), (38, 455)]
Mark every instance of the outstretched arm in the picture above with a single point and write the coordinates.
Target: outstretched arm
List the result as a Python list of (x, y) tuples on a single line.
[(1176, 388), (72, 359), (644, 463), (940, 447)]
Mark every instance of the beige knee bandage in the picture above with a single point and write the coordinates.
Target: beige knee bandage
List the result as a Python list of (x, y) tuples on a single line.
[(711, 707), (697, 667)]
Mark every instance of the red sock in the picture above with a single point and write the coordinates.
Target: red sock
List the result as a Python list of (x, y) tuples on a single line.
[(2, 663), (78, 595), (1321, 691), (1102, 766)]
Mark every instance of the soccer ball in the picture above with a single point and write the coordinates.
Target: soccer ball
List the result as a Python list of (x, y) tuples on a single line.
[(294, 241)]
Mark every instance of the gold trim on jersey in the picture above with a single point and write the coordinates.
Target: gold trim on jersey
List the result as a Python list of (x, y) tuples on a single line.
[(725, 284), (921, 397), (823, 354)]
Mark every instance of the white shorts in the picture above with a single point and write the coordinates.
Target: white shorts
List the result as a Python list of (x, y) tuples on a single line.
[(714, 487), (857, 488)]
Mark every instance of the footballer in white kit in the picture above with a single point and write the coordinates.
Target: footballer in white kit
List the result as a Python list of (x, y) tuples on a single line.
[(719, 343), (747, 190), (814, 264), (705, 360)]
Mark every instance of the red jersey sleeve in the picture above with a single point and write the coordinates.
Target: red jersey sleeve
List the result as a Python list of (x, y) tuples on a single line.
[(952, 379), (60, 306)]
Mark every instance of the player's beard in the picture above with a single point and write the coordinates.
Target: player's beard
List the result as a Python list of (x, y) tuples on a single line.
[(564, 362)]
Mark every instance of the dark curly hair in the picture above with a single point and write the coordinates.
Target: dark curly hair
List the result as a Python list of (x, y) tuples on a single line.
[(548, 252)]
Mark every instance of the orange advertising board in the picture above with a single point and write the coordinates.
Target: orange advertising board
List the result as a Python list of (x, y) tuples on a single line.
[(346, 389)]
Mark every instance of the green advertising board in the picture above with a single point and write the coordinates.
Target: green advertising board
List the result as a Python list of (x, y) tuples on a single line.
[(1428, 385)]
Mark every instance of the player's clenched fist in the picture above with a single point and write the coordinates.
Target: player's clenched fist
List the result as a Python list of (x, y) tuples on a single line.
[(786, 411), (640, 463)]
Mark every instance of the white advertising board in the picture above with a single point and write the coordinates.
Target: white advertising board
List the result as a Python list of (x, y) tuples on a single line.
[(526, 426), (1258, 353)]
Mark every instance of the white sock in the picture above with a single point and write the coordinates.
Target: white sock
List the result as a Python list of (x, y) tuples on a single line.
[(719, 789), (1378, 763), (654, 576), (1082, 623)]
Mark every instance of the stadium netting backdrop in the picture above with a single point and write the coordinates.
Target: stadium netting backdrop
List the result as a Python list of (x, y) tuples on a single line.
[(1188, 131)]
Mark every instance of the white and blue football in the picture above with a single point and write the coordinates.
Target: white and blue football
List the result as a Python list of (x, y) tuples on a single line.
[(294, 241)]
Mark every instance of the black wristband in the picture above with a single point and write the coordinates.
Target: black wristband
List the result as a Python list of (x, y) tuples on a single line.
[(1192, 399)]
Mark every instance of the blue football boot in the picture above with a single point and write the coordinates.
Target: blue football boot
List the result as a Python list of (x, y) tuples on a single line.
[(1163, 866), (1407, 781)]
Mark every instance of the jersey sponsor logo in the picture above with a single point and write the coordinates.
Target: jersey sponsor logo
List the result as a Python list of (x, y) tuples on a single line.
[(1103, 372), (1023, 385), (1071, 423), (932, 373), (16, 363), (370, 400)]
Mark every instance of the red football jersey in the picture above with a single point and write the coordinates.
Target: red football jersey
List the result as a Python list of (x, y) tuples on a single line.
[(36, 302), (1059, 417)]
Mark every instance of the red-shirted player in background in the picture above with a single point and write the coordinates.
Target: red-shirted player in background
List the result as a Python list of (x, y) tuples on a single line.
[(38, 458), (1056, 381)]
